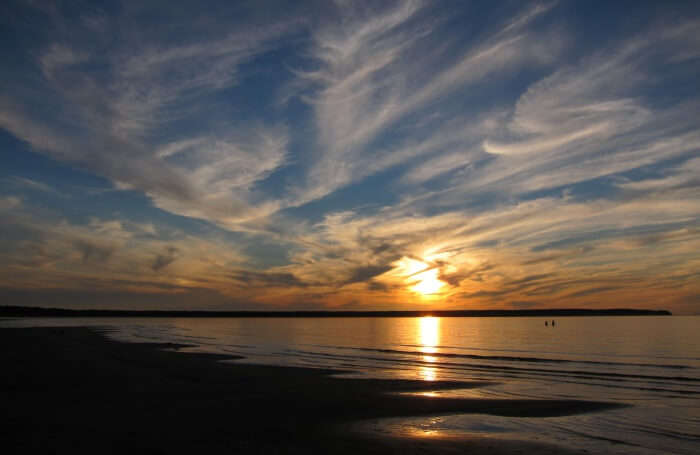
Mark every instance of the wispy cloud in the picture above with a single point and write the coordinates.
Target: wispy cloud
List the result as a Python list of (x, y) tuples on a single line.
[(120, 100), (369, 79), (45, 253), (9, 202), (493, 150), (589, 120)]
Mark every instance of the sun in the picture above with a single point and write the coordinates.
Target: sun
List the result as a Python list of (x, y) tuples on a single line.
[(420, 276), (428, 282)]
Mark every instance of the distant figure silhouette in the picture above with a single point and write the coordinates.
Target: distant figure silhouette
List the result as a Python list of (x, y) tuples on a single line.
[(552, 322), (546, 323)]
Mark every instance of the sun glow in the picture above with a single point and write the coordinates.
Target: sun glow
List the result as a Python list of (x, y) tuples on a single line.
[(428, 282), (419, 276)]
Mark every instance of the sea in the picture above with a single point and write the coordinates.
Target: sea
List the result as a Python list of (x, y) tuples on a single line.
[(650, 363)]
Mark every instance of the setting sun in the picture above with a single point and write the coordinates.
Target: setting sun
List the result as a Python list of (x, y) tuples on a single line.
[(428, 282)]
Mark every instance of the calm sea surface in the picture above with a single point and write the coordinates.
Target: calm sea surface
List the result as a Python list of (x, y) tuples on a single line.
[(651, 363)]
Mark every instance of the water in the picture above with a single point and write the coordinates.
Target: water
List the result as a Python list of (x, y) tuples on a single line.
[(650, 363)]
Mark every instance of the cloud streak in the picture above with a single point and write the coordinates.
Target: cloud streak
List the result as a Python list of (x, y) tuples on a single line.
[(340, 154)]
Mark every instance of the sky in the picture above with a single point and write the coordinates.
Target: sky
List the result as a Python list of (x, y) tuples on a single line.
[(393, 155)]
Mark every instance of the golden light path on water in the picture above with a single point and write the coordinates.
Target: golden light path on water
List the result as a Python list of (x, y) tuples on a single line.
[(428, 339)]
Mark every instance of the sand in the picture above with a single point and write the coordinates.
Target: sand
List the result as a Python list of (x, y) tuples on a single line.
[(72, 390)]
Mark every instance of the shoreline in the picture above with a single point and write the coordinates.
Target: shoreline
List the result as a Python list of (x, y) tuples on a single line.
[(73, 389)]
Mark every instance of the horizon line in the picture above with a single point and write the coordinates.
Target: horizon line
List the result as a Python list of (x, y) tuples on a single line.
[(22, 311)]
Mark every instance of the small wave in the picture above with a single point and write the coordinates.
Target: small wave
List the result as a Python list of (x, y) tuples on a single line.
[(632, 381), (521, 358), (587, 354)]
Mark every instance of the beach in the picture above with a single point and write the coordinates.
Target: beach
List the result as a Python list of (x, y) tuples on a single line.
[(71, 389)]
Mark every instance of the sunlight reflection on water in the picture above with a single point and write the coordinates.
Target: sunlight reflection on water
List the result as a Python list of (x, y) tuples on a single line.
[(428, 337), (428, 334)]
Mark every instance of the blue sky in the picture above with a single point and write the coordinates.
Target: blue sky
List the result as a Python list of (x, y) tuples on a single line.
[(355, 155)]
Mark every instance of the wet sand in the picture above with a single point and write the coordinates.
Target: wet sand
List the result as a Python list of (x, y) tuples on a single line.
[(72, 390)]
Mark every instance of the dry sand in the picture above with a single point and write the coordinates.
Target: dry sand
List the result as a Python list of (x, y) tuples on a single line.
[(71, 390)]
